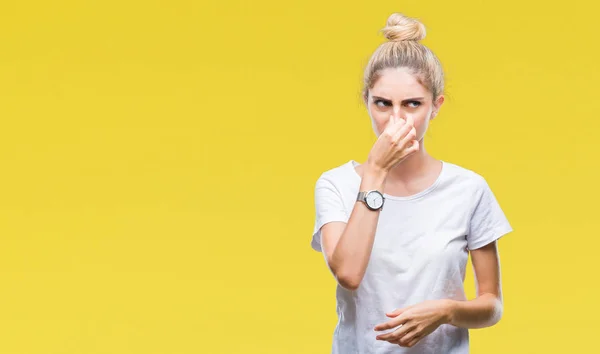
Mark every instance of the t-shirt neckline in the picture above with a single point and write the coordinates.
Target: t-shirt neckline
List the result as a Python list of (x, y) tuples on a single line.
[(352, 164)]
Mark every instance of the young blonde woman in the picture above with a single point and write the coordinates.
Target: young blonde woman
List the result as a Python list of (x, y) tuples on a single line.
[(396, 231)]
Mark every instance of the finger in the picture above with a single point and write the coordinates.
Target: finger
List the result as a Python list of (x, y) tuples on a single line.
[(400, 325), (412, 146), (389, 124), (398, 334), (390, 324), (408, 140), (397, 121), (414, 341), (395, 313), (401, 132), (408, 336), (394, 335), (404, 120), (409, 120), (415, 146), (386, 325)]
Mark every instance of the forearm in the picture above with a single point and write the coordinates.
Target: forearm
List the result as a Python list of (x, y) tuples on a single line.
[(483, 311), (353, 250)]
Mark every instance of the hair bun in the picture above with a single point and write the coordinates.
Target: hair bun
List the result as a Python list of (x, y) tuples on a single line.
[(403, 28)]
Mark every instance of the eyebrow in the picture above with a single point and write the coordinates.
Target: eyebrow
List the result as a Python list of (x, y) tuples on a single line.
[(407, 99)]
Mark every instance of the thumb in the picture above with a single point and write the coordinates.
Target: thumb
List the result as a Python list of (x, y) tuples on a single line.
[(410, 120), (390, 122)]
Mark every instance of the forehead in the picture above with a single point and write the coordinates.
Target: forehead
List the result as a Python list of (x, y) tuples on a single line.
[(396, 83)]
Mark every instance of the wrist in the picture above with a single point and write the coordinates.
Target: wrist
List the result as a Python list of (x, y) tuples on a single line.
[(448, 311), (373, 174), (373, 167)]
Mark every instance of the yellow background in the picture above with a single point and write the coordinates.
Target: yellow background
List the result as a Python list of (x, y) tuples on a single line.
[(159, 158)]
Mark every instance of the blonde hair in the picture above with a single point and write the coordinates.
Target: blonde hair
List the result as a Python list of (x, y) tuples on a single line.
[(403, 50)]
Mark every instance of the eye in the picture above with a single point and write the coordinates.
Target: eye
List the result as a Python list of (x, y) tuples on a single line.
[(413, 104), (381, 103)]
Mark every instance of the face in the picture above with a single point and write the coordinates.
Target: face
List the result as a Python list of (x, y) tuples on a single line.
[(398, 92)]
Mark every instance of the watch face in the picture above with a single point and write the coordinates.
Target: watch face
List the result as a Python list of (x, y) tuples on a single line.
[(374, 199)]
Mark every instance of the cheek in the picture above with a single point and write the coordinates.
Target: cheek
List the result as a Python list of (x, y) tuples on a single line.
[(379, 121), (421, 125)]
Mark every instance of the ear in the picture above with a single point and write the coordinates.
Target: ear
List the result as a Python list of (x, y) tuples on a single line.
[(437, 104), (365, 97)]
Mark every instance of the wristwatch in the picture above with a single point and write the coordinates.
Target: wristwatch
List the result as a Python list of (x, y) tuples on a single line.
[(372, 199)]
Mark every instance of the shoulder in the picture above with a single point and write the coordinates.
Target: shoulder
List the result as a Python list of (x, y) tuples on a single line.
[(465, 178), (338, 174)]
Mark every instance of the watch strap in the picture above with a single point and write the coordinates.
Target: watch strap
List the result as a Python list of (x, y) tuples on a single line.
[(361, 196)]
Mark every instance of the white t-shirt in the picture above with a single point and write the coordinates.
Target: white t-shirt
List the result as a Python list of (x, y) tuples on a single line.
[(420, 253)]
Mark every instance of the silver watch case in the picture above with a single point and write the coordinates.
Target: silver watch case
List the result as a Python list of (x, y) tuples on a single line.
[(367, 198)]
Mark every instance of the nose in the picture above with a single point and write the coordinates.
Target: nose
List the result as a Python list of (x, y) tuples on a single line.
[(398, 113)]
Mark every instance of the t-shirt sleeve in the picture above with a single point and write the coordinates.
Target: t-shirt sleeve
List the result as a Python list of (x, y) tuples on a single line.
[(329, 207), (488, 222)]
